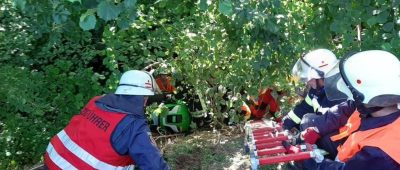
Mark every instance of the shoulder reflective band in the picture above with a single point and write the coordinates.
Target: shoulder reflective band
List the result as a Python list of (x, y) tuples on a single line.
[(313, 103), (308, 100), (294, 117)]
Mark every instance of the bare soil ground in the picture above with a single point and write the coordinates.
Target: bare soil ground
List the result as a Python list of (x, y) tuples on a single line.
[(206, 149)]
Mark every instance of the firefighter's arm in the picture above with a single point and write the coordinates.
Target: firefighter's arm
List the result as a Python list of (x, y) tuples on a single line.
[(293, 118), (332, 120), (131, 138), (367, 158), (144, 152)]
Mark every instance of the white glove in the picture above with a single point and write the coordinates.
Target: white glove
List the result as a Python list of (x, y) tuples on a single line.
[(317, 155), (323, 110)]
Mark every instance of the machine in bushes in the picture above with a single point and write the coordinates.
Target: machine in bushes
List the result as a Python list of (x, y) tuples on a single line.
[(173, 117)]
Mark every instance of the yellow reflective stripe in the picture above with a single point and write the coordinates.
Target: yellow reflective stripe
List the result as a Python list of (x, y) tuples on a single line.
[(315, 104), (308, 100), (312, 102), (294, 117)]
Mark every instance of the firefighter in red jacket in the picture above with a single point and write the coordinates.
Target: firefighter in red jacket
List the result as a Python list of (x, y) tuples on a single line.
[(258, 108), (164, 83), (372, 80), (111, 131)]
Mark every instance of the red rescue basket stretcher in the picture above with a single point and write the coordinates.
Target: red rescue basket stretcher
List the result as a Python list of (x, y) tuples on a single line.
[(266, 142)]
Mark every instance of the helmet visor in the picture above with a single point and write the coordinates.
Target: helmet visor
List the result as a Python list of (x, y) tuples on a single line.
[(335, 87), (156, 88), (300, 72)]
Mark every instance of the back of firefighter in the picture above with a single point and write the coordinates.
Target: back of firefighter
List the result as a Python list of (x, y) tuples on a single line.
[(372, 80), (110, 132), (164, 83), (311, 69), (267, 99)]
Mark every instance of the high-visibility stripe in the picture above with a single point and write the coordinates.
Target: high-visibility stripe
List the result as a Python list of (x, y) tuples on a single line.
[(315, 104), (84, 155), (308, 100), (69, 156), (49, 163), (57, 159), (294, 117)]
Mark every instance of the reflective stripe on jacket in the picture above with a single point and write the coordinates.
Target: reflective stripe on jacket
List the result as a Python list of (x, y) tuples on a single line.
[(85, 143), (315, 102)]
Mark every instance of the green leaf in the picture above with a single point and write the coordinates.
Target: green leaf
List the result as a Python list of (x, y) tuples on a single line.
[(203, 5), (388, 26), (225, 7), (126, 19), (386, 46), (382, 17), (335, 26), (396, 3), (61, 15), (371, 21), (20, 4), (75, 1), (87, 21), (108, 11), (272, 27), (90, 3), (277, 3), (130, 3)]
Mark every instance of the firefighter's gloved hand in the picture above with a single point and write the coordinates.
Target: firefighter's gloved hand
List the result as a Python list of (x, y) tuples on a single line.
[(322, 110), (317, 155), (310, 135), (293, 149)]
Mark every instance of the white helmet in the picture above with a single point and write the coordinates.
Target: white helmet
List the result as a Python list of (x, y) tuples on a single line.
[(314, 65), (370, 77), (135, 82)]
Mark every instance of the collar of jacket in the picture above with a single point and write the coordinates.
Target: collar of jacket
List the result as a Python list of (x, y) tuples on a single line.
[(128, 104)]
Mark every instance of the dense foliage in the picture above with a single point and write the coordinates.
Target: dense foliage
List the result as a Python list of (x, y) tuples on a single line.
[(57, 54)]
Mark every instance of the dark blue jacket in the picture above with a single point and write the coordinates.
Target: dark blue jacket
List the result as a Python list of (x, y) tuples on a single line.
[(307, 106), (131, 134), (369, 157), (333, 119)]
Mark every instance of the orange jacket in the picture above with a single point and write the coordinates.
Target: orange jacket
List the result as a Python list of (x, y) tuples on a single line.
[(265, 99), (385, 138), (165, 84), (353, 123)]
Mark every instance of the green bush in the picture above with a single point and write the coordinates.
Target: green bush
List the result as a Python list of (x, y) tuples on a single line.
[(56, 55), (36, 105)]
